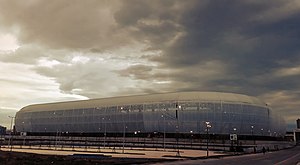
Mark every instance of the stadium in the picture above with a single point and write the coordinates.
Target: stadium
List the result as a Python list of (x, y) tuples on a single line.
[(180, 112)]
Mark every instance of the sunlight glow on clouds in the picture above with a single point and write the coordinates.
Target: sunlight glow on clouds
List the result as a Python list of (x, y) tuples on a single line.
[(293, 71), (80, 59), (23, 84), (44, 62), (8, 42)]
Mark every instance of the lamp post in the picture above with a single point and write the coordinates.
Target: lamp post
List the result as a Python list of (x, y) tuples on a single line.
[(23, 134), (177, 130), (99, 147), (124, 132), (11, 130), (252, 134), (56, 137), (234, 131), (207, 127), (164, 132), (191, 138), (136, 136), (104, 142)]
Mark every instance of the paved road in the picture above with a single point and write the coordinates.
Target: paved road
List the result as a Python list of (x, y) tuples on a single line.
[(283, 157)]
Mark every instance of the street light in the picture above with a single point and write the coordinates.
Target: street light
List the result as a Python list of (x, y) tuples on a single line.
[(104, 142), (11, 130), (177, 130), (136, 136), (191, 138), (235, 139), (124, 131), (164, 131), (207, 127), (56, 137), (23, 133), (252, 134), (99, 147)]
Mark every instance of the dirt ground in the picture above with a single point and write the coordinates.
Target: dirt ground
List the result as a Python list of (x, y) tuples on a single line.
[(18, 158)]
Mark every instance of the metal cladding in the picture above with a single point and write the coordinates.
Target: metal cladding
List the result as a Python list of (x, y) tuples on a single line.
[(185, 112)]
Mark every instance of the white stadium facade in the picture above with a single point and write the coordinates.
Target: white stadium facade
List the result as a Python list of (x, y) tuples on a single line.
[(180, 112)]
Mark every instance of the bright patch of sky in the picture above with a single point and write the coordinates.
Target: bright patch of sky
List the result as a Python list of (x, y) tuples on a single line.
[(44, 62), (19, 81), (8, 42)]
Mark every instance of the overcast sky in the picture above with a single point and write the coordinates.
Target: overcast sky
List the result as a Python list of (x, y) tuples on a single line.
[(72, 49)]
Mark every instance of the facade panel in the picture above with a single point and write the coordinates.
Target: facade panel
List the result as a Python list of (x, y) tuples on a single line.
[(164, 115)]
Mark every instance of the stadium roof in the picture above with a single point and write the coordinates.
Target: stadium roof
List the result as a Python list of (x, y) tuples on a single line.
[(149, 98)]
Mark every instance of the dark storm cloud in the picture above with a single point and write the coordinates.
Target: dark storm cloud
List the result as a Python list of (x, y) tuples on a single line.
[(251, 40), (226, 31), (151, 22)]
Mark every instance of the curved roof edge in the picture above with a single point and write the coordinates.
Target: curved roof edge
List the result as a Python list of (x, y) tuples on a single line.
[(148, 98)]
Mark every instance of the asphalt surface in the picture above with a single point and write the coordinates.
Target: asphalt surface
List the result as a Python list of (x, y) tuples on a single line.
[(283, 157)]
